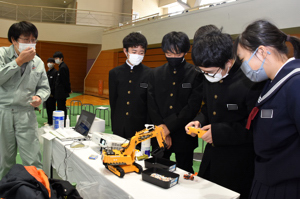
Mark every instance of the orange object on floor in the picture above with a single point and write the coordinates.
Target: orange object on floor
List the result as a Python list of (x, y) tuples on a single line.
[(40, 176)]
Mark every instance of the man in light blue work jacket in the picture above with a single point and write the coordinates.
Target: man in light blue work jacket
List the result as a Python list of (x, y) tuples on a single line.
[(23, 86)]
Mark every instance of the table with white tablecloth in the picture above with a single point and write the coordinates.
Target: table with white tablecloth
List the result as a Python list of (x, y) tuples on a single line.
[(75, 166)]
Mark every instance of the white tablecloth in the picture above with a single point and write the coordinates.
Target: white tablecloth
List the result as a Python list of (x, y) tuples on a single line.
[(75, 166)]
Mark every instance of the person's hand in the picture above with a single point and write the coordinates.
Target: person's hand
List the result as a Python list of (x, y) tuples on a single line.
[(26, 56), (70, 92), (36, 101), (168, 141), (166, 130), (207, 137), (195, 124)]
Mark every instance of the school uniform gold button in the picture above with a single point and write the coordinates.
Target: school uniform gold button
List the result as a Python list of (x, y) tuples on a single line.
[(171, 107), (127, 113), (174, 71), (174, 83), (221, 81), (130, 81), (216, 96), (128, 92), (128, 103), (131, 71), (171, 94), (214, 113)]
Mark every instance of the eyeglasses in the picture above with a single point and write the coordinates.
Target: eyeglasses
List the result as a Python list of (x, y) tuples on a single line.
[(29, 41), (209, 74)]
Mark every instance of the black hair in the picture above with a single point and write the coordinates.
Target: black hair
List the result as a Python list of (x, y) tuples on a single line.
[(51, 60), (58, 54), (264, 33), (176, 42), (22, 28), (135, 39), (238, 61), (212, 50), (204, 30), (235, 47)]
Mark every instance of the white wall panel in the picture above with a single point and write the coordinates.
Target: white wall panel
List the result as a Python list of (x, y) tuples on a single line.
[(233, 17)]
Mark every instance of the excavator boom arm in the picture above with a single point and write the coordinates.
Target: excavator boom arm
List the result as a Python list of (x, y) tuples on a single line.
[(140, 136)]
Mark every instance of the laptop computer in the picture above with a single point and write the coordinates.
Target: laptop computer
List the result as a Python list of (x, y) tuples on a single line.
[(81, 129), (84, 122)]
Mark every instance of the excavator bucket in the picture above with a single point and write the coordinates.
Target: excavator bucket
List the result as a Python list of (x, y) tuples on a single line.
[(158, 152)]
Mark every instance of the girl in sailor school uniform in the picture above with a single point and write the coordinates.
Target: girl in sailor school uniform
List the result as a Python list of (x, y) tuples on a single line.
[(276, 118)]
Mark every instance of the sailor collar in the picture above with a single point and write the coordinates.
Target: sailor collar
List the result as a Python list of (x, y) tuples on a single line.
[(278, 84)]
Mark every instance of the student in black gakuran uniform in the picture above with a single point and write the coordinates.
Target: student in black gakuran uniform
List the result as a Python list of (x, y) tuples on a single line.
[(174, 98), (62, 84), (229, 97), (51, 101), (128, 85), (276, 124)]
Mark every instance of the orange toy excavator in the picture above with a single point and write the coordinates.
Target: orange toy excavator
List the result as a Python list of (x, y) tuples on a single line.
[(122, 161)]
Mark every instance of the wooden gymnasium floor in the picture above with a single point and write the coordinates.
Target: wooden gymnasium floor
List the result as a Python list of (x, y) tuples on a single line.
[(89, 99)]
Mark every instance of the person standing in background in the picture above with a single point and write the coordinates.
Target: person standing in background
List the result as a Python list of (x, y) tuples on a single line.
[(128, 85), (62, 83), (51, 101), (174, 98), (23, 86)]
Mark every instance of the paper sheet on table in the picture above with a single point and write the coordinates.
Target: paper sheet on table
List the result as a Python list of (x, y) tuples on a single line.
[(48, 136), (64, 134)]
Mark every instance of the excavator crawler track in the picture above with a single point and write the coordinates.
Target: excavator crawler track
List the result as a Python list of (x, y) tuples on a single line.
[(140, 168), (117, 170)]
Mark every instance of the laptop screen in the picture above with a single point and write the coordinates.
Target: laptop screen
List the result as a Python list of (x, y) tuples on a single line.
[(84, 122)]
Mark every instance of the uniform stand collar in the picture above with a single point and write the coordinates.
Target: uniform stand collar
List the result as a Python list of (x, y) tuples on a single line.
[(177, 68), (132, 68)]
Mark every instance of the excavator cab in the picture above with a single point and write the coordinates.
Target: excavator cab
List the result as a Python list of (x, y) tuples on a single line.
[(110, 152)]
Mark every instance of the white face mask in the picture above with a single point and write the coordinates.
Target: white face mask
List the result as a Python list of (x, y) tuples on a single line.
[(57, 61), (217, 76), (135, 59), (23, 46), (50, 65)]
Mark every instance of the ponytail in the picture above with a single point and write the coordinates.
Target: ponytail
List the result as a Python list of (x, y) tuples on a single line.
[(264, 33), (296, 44)]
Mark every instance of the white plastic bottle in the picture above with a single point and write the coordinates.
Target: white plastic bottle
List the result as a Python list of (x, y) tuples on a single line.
[(58, 119), (145, 148), (67, 122)]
